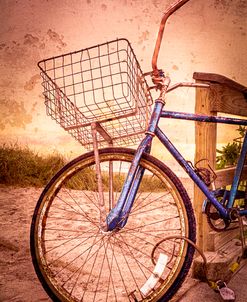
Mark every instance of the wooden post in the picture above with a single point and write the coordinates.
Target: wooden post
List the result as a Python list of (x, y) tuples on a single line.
[(226, 96), (205, 139)]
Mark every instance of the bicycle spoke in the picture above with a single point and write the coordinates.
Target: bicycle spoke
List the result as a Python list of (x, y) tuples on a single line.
[(85, 263), (69, 251), (79, 270)]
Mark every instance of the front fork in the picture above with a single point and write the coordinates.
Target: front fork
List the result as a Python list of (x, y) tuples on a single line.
[(118, 216)]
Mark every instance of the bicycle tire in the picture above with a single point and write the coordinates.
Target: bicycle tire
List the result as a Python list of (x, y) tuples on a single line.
[(129, 249)]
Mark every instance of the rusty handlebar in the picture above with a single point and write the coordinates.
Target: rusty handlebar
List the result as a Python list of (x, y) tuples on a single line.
[(171, 9)]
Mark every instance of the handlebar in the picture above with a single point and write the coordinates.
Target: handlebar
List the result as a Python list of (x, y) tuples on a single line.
[(171, 9)]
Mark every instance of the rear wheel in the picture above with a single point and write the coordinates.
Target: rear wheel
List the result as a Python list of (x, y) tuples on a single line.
[(76, 261)]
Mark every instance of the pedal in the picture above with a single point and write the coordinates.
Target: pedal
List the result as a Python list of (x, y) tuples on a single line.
[(155, 276), (225, 292)]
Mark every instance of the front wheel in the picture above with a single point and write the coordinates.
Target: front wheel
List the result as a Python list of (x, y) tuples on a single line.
[(76, 261)]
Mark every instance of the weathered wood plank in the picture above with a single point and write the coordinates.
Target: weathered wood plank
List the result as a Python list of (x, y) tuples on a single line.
[(220, 79), (228, 100), (218, 240), (225, 176)]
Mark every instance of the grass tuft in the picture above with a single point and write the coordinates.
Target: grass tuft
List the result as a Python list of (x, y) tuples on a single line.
[(20, 166), (23, 167)]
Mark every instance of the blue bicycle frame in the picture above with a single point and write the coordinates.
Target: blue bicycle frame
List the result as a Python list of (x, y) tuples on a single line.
[(118, 216)]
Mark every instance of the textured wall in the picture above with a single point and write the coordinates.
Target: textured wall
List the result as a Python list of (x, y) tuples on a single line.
[(205, 36)]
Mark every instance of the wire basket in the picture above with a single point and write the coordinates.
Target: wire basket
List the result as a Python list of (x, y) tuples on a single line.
[(102, 84)]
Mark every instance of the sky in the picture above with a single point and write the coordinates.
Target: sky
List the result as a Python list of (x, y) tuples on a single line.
[(203, 36)]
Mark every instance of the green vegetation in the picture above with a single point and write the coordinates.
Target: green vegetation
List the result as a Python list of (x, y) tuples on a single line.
[(229, 154), (20, 166), (23, 167), (88, 181)]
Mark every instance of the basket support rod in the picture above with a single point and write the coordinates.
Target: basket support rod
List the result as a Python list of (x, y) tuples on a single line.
[(96, 127), (99, 178), (111, 192), (107, 138)]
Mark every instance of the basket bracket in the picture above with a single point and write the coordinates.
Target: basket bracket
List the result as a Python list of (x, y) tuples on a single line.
[(102, 132)]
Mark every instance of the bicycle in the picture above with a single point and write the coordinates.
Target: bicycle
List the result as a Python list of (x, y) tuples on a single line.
[(116, 224)]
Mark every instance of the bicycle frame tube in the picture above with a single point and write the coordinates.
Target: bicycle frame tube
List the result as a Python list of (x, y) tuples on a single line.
[(224, 120), (238, 172), (190, 171), (203, 118), (243, 212)]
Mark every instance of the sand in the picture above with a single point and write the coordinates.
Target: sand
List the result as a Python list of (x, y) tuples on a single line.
[(18, 280)]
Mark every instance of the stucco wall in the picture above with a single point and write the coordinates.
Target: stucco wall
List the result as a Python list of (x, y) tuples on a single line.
[(204, 35)]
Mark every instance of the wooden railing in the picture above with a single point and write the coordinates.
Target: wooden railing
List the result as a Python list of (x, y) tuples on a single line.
[(223, 96)]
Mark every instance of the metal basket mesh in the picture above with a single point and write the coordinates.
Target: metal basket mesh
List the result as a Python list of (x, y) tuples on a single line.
[(101, 84)]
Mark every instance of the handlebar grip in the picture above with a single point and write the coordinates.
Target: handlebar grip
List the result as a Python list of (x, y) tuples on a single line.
[(171, 9)]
